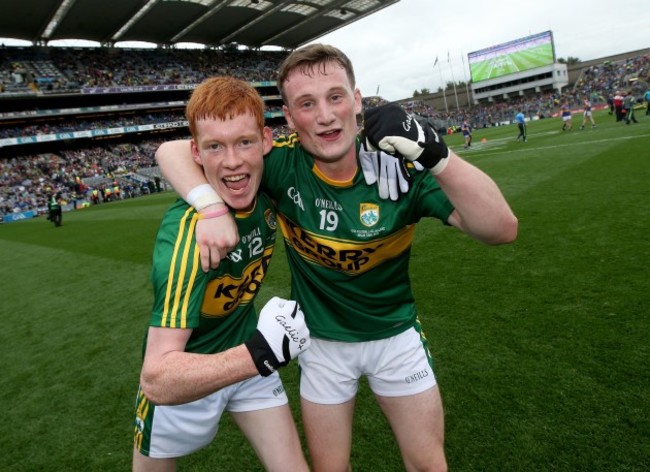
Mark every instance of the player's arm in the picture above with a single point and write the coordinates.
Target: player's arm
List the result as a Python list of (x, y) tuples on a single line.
[(216, 237), (481, 211), (172, 376)]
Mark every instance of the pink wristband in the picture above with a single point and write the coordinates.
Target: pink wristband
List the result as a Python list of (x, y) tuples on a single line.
[(213, 214)]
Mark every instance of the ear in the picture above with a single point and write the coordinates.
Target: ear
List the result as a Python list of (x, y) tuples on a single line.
[(195, 152), (357, 101), (287, 116), (267, 139)]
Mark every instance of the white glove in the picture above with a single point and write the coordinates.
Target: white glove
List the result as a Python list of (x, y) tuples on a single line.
[(389, 172), (281, 335)]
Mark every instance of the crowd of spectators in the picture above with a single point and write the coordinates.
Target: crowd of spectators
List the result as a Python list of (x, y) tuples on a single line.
[(607, 79), (60, 124), (484, 115), (30, 69), (599, 83), (70, 125), (75, 68), (26, 181)]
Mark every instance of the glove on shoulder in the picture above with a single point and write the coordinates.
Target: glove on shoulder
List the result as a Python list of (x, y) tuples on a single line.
[(391, 129)]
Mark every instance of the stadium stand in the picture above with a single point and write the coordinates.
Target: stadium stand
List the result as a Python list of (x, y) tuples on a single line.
[(598, 81), (75, 120), (91, 119)]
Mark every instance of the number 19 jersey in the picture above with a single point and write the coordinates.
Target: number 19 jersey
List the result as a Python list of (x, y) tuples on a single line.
[(348, 250)]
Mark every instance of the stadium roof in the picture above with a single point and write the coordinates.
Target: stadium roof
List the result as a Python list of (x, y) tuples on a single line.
[(253, 23)]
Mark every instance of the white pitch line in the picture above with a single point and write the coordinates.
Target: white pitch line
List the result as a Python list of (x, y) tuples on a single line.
[(524, 147)]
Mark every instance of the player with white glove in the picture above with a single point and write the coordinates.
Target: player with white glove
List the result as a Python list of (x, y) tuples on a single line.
[(281, 335), (391, 129), (388, 172)]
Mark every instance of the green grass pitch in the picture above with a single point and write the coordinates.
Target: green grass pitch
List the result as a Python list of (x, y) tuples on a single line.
[(541, 347)]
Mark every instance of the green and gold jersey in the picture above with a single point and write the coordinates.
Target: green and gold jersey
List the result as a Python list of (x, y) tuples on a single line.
[(217, 305), (348, 250)]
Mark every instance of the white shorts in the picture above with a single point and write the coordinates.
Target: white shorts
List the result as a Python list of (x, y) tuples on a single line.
[(587, 113), (395, 367), (566, 118), (167, 431)]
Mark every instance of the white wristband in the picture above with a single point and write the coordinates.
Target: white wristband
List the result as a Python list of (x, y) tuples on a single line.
[(202, 196)]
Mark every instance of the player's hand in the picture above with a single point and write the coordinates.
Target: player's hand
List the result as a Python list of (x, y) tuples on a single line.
[(216, 237), (388, 172), (393, 130), (281, 335)]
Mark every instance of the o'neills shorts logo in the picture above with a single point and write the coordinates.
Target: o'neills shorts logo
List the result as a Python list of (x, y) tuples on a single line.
[(369, 214), (417, 376)]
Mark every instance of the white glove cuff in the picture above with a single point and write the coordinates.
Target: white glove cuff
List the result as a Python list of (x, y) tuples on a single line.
[(440, 166)]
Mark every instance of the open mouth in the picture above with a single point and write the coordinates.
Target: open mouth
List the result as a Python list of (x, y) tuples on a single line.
[(330, 135), (236, 183)]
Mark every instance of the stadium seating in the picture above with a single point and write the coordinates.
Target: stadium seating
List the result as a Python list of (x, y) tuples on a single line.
[(76, 168)]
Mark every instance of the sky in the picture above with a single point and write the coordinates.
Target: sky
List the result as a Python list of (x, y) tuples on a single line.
[(394, 49)]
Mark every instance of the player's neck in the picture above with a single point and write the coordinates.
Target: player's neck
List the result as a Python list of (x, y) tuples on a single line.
[(339, 171)]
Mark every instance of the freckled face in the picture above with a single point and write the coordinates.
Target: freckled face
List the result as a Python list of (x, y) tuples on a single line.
[(231, 152)]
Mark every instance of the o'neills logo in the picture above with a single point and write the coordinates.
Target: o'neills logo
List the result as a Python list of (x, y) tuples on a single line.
[(417, 376)]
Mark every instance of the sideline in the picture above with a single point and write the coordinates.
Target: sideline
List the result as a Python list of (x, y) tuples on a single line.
[(493, 146)]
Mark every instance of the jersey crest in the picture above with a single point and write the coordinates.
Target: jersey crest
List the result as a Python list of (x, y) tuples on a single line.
[(369, 214), (269, 217)]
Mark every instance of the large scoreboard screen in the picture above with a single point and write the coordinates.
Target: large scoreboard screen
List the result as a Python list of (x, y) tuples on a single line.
[(514, 56)]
